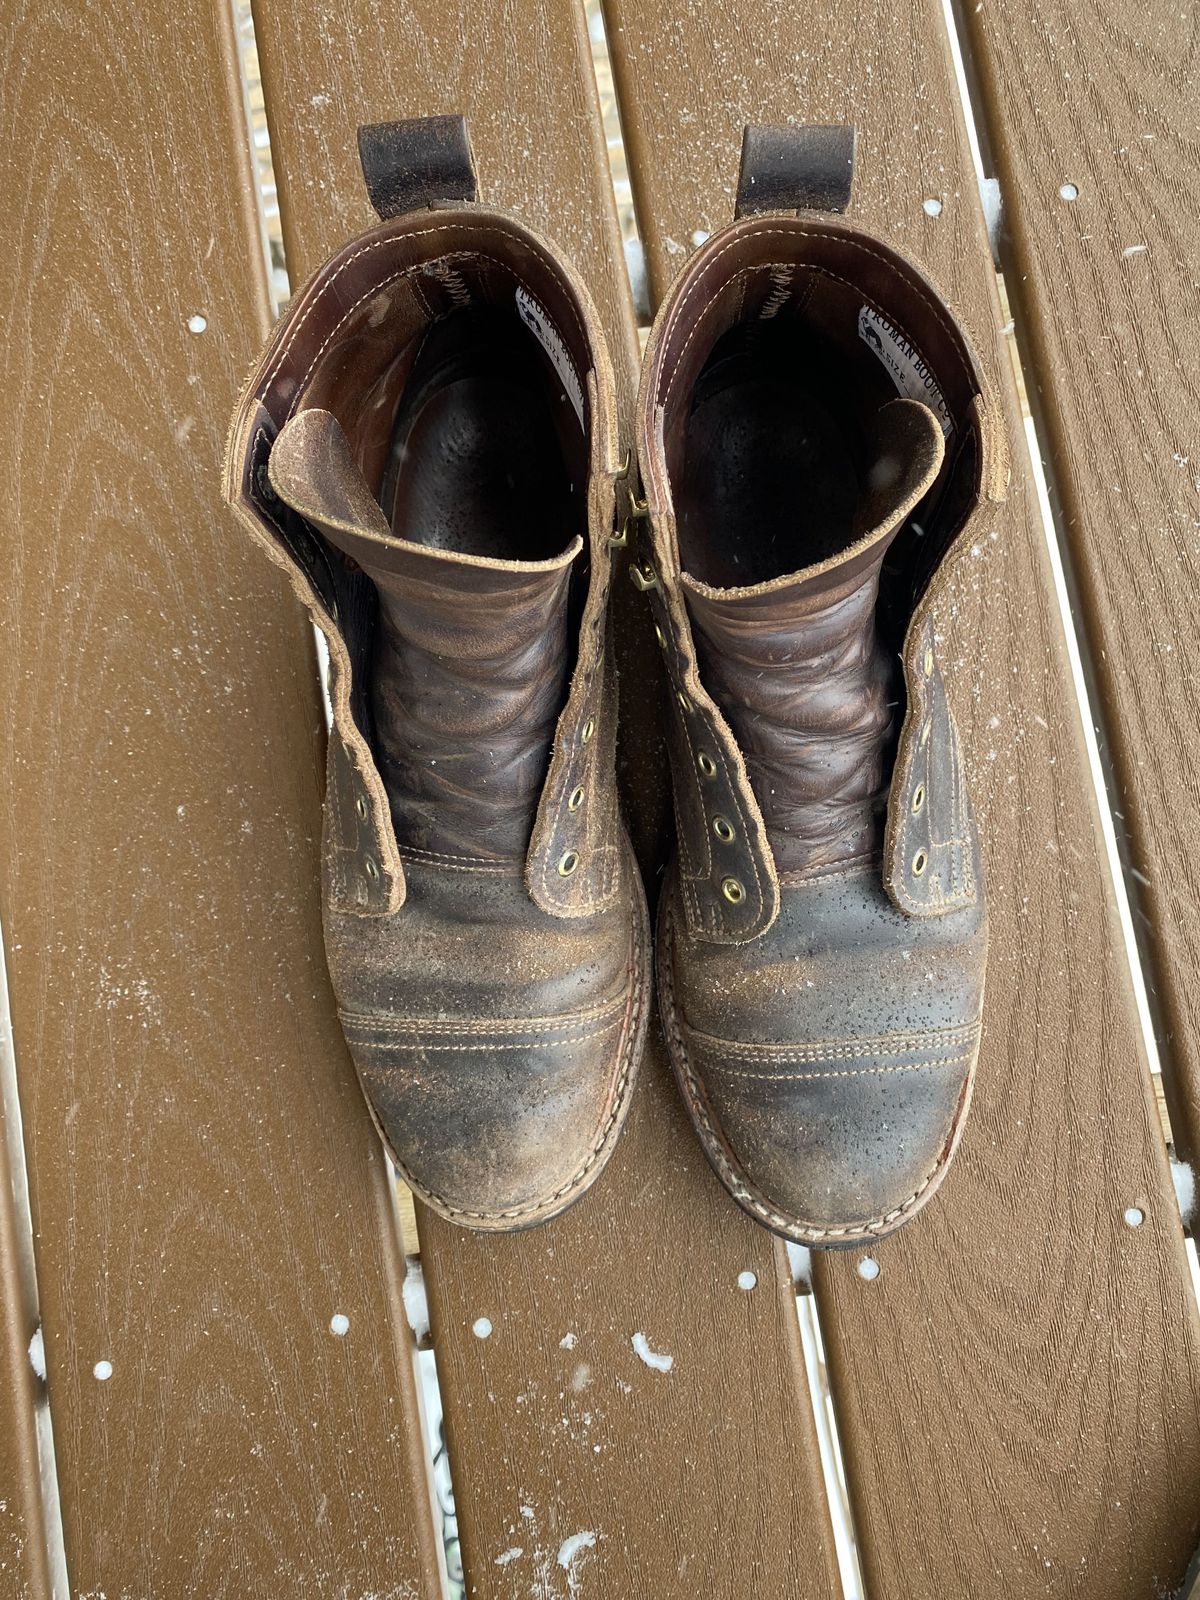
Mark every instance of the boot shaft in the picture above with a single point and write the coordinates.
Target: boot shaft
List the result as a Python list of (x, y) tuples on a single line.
[(814, 438)]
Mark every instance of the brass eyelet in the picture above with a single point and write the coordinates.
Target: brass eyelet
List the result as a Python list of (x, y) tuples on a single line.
[(568, 863), (724, 830), (589, 729), (918, 799), (925, 733), (619, 537), (575, 799), (929, 661), (360, 805), (643, 577), (733, 891), (622, 471), (660, 636), (684, 703), (370, 868), (708, 767), (919, 863)]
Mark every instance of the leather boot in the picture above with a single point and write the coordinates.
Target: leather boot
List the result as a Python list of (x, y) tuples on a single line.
[(427, 449), (816, 446)]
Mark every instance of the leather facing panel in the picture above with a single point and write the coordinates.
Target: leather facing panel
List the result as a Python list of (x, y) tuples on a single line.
[(357, 806), (709, 779), (592, 832)]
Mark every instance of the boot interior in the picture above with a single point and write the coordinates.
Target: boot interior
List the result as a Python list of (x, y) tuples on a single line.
[(773, 403), (461, 384), (487, 453)]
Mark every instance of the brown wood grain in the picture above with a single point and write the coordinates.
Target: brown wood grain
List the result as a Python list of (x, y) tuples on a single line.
[(709, 1473), (205, 1187), (1019, 1388), (1103, 95), (24, 1568)]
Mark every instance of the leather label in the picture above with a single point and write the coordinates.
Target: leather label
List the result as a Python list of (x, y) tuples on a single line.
[(547, 335), (905, 364)]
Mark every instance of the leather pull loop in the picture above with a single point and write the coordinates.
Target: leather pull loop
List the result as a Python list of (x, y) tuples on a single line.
[(808, 168), (416, 162)]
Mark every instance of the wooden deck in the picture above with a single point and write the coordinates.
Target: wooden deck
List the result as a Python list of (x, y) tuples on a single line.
[(197, 1215)]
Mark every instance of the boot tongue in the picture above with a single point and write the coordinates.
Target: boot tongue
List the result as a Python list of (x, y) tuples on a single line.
[(471, 657), (798, 670)]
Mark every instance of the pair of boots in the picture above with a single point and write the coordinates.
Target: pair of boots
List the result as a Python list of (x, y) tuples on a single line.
[(428, 448)]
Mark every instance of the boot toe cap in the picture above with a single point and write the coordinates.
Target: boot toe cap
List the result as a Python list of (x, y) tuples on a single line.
[(505, 1124), (834, 1144)]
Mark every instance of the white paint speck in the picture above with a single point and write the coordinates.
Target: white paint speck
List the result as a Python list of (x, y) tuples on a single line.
[(319, 100), (102, 1371), (1134, 1216), (568, 1341), (1069, 191), (197, 323), (1134, 250), (527, 1513), (514, 1554), (660, 1363), (699, 235), (339, 1324), (868, 1269), (747, 1280), (569, 1549), (931, 208), (37, 1354), (481, 1327)]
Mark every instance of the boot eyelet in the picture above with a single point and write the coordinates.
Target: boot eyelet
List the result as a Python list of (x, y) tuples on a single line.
[(589, 729), (568, 863), (708, 767), (929, 661), (732, 889), (918, 800), (360, 805), (575, 800), (370, 868), (660, 636), (919, 862), (724, 830), (684, 703), (925, 734)]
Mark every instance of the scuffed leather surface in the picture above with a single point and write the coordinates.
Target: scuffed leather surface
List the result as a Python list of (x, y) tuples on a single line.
[(828, 1061), (496, 1045)]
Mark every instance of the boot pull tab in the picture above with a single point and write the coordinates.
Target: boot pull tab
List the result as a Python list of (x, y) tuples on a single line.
[(806, 168), (421, 161)]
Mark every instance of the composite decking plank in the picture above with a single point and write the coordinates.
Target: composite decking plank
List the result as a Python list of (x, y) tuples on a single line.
[(1019, 1388), (205, 1187), (706, 1474), (1103, 96)]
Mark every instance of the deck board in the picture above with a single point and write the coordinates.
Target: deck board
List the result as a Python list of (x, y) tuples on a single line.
[(205, 1187), (1104, 96), (707, 1474), (1019, 1389)]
